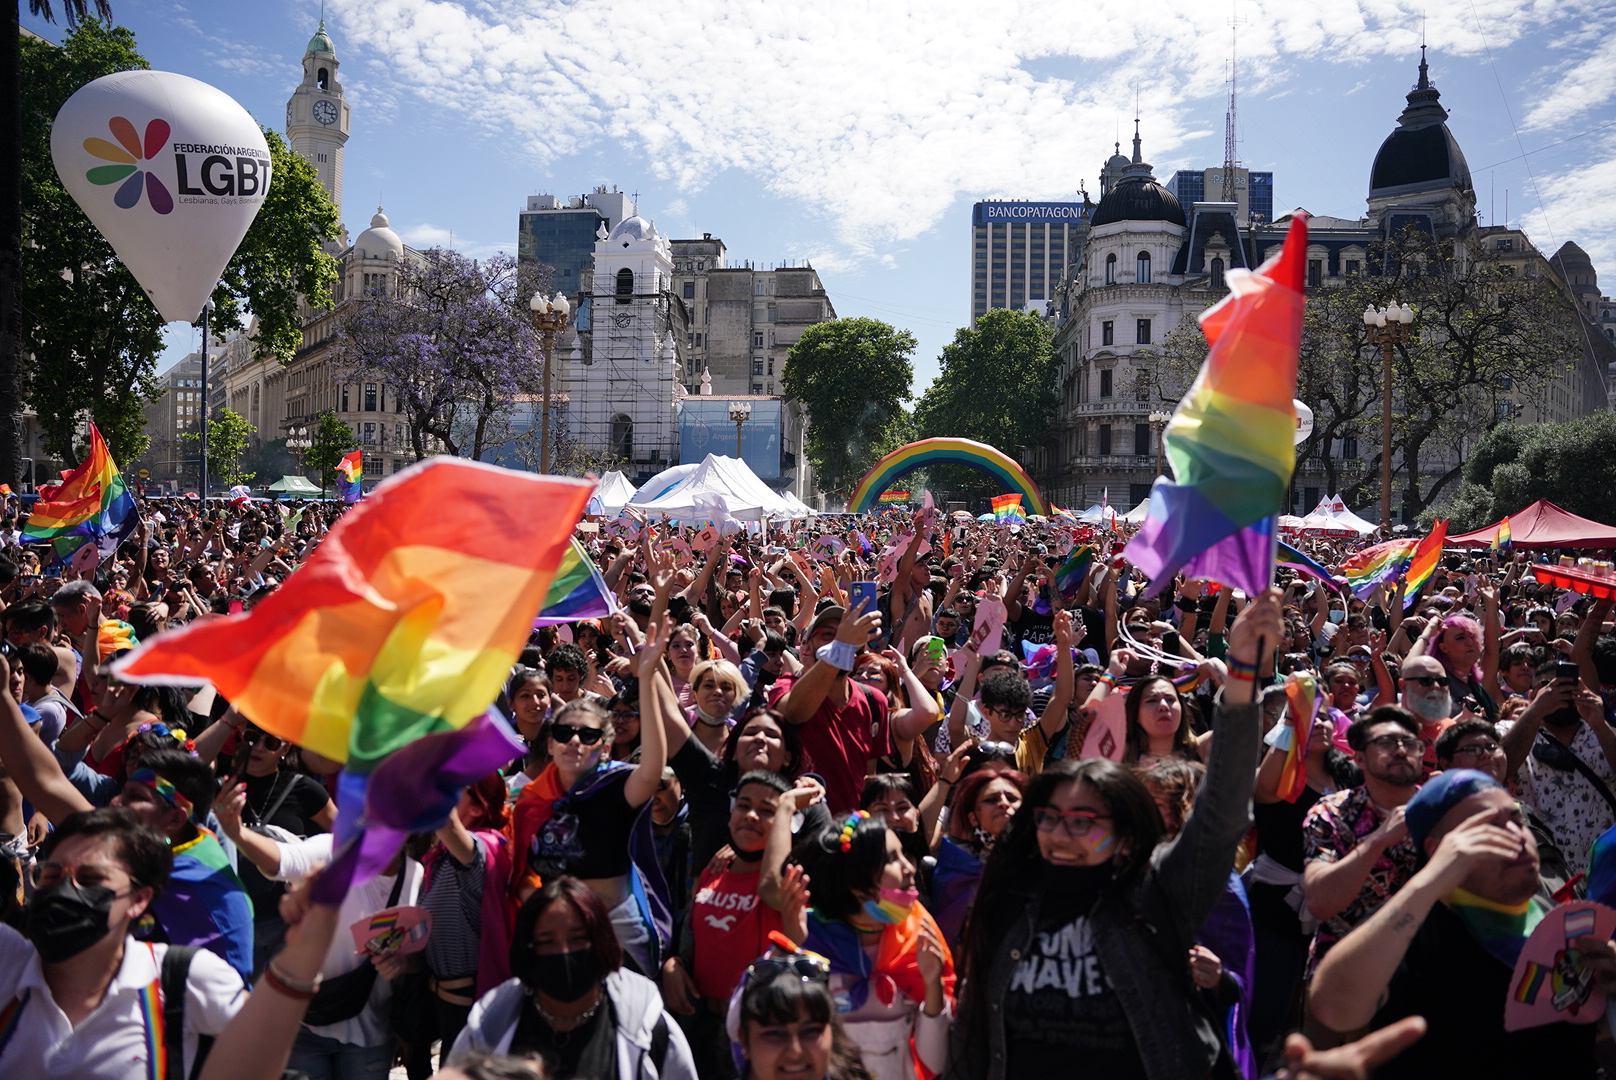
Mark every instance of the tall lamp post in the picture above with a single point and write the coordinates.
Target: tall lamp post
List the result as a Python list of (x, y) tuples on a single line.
[(1158, 424), (1388, 327), (549, 319), (740, 412)]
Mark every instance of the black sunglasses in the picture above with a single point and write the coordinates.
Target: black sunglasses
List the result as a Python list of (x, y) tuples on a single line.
[(270, 742), (564, 733), (807, 968), (1426, 681)]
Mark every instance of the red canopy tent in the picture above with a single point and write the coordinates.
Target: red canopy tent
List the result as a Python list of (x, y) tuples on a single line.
[(1543, 525)]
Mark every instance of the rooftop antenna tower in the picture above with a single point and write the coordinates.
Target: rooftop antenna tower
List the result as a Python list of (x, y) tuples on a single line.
[(1231, 155)]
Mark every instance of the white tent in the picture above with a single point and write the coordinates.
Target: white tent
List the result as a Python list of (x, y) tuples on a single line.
[(718, 489), (1138, 513), (1097, 515), (1339, 511), (662, 483), (797, 509), (614, 492)]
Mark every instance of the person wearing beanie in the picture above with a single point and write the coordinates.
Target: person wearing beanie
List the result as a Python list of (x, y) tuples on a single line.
[(1444, 947)]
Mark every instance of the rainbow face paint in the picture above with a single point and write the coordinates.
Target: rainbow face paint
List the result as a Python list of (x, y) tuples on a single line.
[(893, 906)]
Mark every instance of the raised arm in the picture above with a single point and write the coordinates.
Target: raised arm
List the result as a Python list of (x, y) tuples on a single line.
[(29, 761), (963, 693), (1491, 630), (647, 775), (1054, 714), (807, 694)]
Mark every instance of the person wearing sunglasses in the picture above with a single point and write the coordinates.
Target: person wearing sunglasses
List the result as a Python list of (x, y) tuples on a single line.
[(783, 1020), (982, 804), (1081, 927), (1356, 851), (587, 815)]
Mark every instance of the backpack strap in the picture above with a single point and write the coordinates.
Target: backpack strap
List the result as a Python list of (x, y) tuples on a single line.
[(176, 971), (659, 1042)]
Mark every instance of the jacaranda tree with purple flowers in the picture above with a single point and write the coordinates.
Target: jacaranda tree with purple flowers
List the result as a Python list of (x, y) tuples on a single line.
[(453, 341)]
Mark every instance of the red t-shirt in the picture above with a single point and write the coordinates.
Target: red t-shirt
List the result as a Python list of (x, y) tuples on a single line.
[(730, 926), (841, 742)]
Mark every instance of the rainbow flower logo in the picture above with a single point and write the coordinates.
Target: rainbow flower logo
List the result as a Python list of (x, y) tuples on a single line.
[(127, 153)]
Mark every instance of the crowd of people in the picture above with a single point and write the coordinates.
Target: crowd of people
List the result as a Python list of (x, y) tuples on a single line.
[(893, 798)]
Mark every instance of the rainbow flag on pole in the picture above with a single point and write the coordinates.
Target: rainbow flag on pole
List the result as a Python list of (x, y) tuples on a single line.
[(1503, 540), (1423, 563), (1071, 574), (1007, 509), (1230, 442), (1303, 697), (578, 591), (1373, 565), (351, 477), (91, 503)]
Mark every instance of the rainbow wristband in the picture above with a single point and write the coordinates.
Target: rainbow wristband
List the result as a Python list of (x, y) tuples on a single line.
[(1239, 669), (1107, 679)]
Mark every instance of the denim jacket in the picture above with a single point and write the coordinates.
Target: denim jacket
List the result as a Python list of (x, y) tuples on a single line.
[(1144, 939)]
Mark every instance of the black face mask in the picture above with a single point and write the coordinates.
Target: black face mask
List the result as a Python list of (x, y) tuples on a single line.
[(67, 918), (564, 976)]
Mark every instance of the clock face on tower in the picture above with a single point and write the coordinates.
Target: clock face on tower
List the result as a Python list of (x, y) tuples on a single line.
[(325, 112)]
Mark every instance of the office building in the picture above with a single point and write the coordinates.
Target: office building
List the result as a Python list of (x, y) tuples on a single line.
[(562, 235), (1019, 251), (1253, 192)]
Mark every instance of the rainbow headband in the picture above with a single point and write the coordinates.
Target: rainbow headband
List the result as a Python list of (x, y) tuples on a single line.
[(847, 829), (165, 791)]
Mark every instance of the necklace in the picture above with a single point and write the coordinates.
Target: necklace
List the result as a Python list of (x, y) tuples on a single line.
[(562, 1038)]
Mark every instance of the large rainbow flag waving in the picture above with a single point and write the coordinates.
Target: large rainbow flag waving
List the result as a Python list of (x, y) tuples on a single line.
[(91, 503), (351, 477), (578, 591), (1230, 442), (1380, 563)]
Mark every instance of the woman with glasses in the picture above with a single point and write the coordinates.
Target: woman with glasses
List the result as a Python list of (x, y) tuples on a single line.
[(983, 803), (888, 959), (1075, 949), (572, 1001), (585, 812), (783, 1021)]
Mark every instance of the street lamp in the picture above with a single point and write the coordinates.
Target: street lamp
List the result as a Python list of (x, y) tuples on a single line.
[(1387, 327), (740, 412), (1158, 424), (549, 318)]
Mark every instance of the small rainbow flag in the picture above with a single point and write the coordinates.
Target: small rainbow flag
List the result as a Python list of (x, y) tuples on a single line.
[(150, 999), (1423, 563), (1533, 978), (1007, 509), (578, 591), (92, 500), (1230, 443), (1302, 695), (351, 477), (1069, 577), (1504, 540), (1382, 562), (5, 489), (1063, 515), (893, 497), (385, 920), (1299, 560)]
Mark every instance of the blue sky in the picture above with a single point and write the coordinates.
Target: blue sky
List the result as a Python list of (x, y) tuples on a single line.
[(857, 134)]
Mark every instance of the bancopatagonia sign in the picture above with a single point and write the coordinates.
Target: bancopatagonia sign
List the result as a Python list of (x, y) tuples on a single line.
[(989, 213)]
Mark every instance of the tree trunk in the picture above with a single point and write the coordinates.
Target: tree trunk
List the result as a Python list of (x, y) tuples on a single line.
[(11, 321)]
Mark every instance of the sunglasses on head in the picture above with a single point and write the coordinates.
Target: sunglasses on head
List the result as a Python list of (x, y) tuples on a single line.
[(807, 968), (564, 733)]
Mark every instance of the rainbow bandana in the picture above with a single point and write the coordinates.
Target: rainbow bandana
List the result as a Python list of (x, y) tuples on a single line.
[(165, 791), (1502, 929)]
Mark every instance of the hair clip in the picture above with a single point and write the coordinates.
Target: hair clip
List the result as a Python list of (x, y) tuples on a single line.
[(847, 829)]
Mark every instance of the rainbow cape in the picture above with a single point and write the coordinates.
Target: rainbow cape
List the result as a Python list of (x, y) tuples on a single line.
[(1007, 509), (1230, 441), (1303, 697), (1383, 562), (350, 477), (578, 591), (91, 501), (1504, 540), (1423, 563), (1069, 577)]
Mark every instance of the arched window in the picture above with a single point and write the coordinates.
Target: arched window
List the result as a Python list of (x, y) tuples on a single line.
[(1141, 272), (625, 285), (1217, 273), (623, 436), (322, 78), (1111, 269)]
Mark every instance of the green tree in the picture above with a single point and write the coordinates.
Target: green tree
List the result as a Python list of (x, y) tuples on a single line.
[(228, 438), (329, 442), (853, 377), (1571, 464), (997, 386), (13, 321)]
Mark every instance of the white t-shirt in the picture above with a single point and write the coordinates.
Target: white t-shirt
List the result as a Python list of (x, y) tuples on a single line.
[(112, 1043), (298, 861)]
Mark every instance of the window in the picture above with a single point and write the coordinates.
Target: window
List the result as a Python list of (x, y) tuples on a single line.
[(1141, 268), (1217, 273), (1141, 332), (623, 437), (625, 285), (1141, 439), (690, 290), (1352, 268), (1111, 269), (344, 399), (370, 397), (1505, 410), (1505, 243), (1349, 447), (757, 365), (370, 434), (757, 339), (1315, 272), (757, 286), (690, 339), (1105, 440), (771, 365), (698, 341), (1105, 383), (757, 388), (1108, 333)]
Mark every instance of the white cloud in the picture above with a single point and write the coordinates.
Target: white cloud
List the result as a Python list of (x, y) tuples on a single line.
[(1589, 83), (1578, 207), (426, 235), (876, 116)]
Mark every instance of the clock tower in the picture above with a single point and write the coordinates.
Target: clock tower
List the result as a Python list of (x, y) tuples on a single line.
[(317, 114)]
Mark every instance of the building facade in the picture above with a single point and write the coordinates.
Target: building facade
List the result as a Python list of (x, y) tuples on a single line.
[(170, 461), (562, 235), (318, 116), (1251, 192), (1019, 252)]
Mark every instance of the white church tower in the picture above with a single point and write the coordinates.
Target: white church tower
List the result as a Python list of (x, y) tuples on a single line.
[(621, 392), (317, 115)]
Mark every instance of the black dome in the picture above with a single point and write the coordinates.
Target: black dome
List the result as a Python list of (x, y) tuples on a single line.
[(1422, 152), (1138, 200)]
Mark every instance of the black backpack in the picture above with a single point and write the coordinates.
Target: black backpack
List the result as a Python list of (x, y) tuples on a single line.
[(176, 971)]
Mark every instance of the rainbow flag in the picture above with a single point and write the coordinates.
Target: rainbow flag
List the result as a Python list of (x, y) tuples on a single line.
[(1533, 978), (351, 477), (1063, 515), (1504, 540), (1302, 696), (1373, 565), (1423, 563), (578, 591), (1007, 509), (91, 501), (1070, 575), (1299, 560), (1230, 442), (893, 497)]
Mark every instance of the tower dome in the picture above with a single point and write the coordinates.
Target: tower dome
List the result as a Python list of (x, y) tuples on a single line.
[(379, 241), (1421, 154), (633, 228), (321, 42), (1135, 195)]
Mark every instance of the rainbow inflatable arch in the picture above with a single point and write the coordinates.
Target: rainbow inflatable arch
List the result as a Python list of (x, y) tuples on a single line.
[(980, 456)]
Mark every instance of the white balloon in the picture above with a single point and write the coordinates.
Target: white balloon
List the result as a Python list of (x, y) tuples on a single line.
[(1304, 422), (171, 170)]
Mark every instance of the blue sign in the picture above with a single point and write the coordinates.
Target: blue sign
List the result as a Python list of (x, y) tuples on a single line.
[(1058, 213)]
